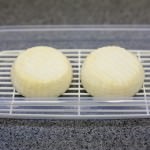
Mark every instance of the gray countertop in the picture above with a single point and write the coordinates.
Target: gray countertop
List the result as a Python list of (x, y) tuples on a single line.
[(74, 134), (74, 12)]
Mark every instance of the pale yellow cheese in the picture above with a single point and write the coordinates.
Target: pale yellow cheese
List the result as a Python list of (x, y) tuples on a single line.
[(41, 72), (112, 71)]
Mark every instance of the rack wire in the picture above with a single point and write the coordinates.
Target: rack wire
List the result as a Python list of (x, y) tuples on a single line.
[(75, 103)]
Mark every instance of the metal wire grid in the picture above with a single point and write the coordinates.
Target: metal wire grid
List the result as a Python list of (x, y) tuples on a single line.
[(75, 103)]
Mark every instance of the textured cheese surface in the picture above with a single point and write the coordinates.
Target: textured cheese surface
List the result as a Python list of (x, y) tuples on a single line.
[(112, 71), (41, 72)]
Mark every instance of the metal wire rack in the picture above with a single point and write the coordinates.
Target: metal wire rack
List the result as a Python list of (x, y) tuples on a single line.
[(75, 103)]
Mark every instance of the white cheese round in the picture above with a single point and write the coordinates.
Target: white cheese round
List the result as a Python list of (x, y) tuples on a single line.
[(112, 71), (41, 72)]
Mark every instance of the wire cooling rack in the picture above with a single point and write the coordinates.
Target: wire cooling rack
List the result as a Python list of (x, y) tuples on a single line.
[(75, 103)]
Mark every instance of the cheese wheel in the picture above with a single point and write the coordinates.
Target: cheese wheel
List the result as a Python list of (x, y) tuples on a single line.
[(112, 71), (41, 72)]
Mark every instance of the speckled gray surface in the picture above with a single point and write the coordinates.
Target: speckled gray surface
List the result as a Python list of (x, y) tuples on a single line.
[(74, 134), (74, 12)]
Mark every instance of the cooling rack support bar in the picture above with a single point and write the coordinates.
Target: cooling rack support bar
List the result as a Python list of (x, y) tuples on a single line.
[(79, 65), (13, 97)]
